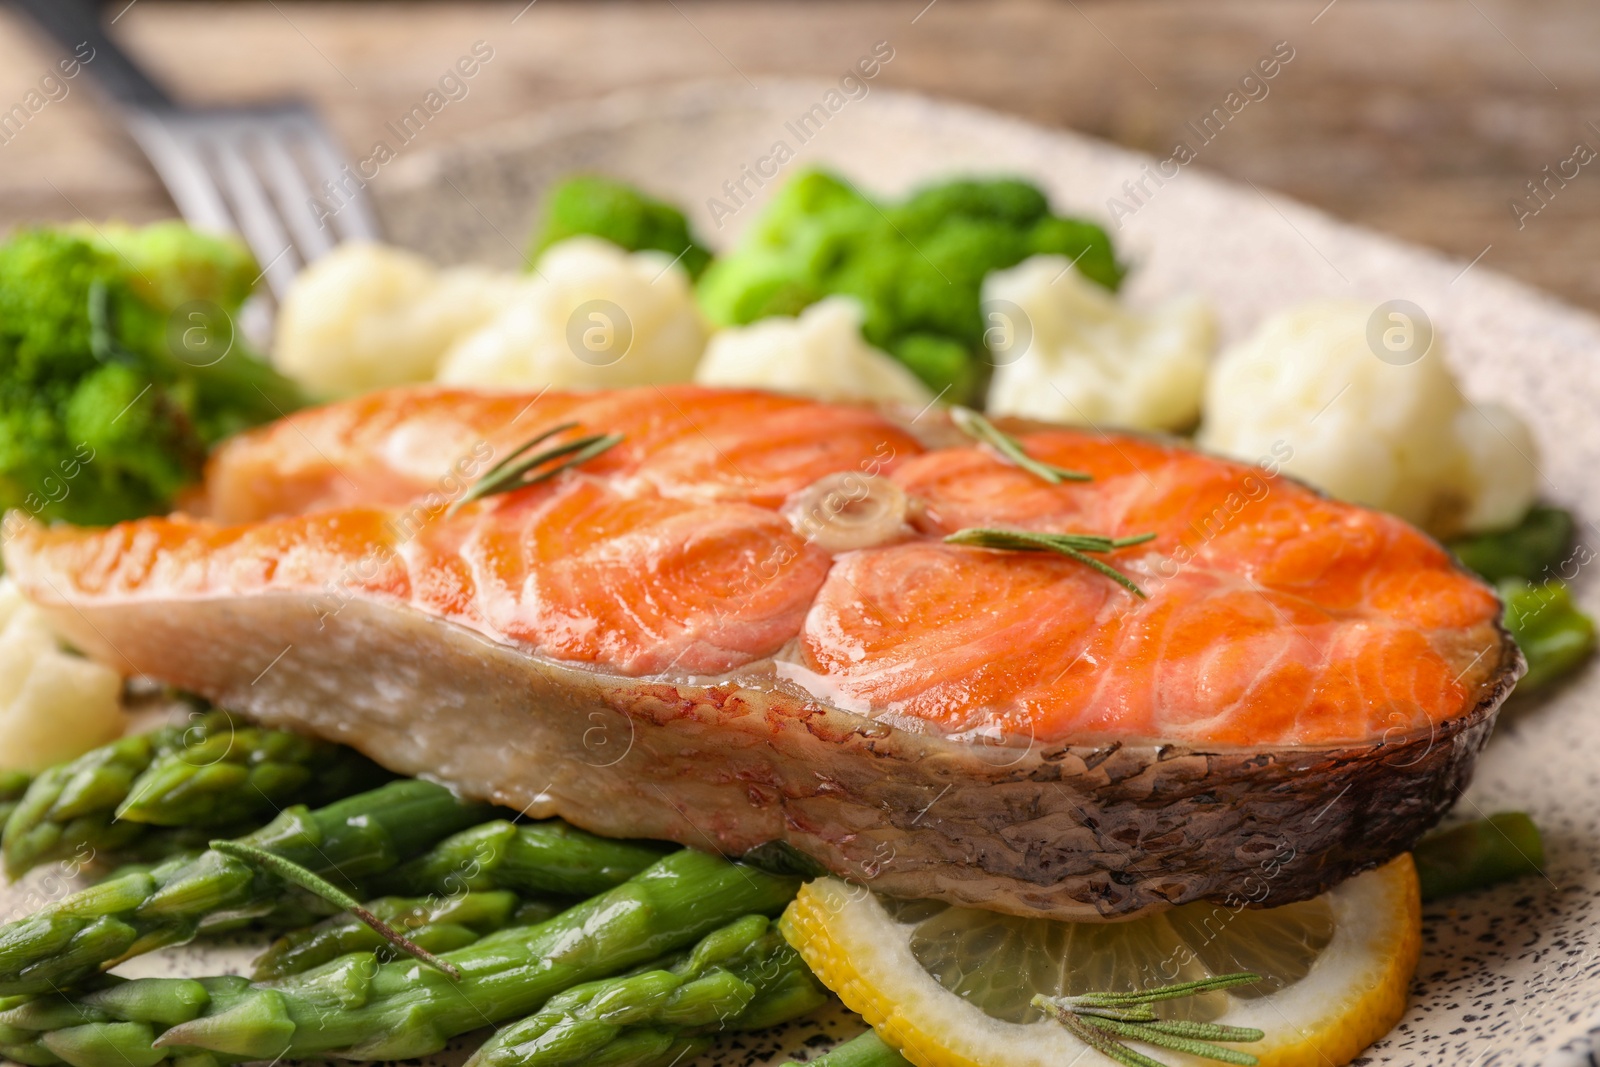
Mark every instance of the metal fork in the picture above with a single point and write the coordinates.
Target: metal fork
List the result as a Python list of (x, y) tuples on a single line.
[(271, 172)]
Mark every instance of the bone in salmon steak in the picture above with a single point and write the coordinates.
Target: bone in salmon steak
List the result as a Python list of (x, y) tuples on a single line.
[(742, 625)]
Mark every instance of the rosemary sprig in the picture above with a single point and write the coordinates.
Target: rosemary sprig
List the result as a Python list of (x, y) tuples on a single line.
[(976, 426), (295, 874), (1099, 1020), (514, 472), (1073, 546)]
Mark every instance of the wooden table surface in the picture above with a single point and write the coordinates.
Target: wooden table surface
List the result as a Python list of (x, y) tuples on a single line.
[(1424, 118)]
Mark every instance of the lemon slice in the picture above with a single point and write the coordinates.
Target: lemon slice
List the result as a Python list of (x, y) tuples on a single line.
[(952, 987)]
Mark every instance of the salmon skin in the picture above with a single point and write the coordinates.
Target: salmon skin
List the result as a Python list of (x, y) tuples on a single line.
[(743, 625)]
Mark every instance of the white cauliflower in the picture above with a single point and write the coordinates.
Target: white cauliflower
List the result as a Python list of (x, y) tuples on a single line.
[(1066, 351), (367, 316), (820, 354), (54, 705), (1393, 435), (594, 316)]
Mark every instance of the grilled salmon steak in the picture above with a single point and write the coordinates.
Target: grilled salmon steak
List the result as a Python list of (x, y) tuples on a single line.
[(742, 624)]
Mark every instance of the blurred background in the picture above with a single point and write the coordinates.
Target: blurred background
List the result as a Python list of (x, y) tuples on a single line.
[(1428, 119)]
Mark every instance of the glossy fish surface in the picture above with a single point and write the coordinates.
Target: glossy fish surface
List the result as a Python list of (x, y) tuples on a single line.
[(743, 624)]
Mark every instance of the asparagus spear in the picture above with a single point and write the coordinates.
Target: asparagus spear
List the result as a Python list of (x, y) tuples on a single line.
[(451, 895), (530, 859), (741, 977), (209, 774), (437, 924), (13, 784), (864, 1050), (67, 810), (231, 771), (77, 937), (358, 1008), (1554, 634), (1528, 550), (1478, 854)]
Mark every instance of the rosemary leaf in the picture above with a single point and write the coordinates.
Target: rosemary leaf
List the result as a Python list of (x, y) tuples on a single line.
[(1140, 1013), (1073, 546), (1099, 1019), (1151, 1035), (513, 472), (1207, 1031), (311, 882), (1167, 992), (1105, 1044), (981, 429), (520, 449)]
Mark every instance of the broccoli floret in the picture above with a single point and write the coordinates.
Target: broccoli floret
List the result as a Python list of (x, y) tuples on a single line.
[(916, 267), (1017, 203), (119, 367), (622, 215), (169, 264)]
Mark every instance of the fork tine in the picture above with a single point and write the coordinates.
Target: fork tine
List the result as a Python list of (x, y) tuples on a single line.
[(293, 194), (183, 171), (197, 149), (258, 219), (354, 219)]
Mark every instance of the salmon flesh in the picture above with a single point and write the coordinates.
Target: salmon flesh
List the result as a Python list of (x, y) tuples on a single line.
[(743, 625)]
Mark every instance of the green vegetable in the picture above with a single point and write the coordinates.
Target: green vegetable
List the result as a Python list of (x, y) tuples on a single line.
[(1554, 635), (168, 263), (741, 977), (13, 785), (864, 1050), (215, 771), (120, 365), (916, 267), (1530, 550), (438, 924), (69, 810), (357, 1008), (545, 861), (1477, 854), (531, 859), (226, 771), (141, 910), (301, 877), (622, 215)]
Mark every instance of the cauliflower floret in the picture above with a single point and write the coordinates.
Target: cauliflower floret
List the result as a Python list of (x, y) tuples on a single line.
[(820, 354), (1393, 435), (53, 705), (593, 317), (1075, 355), (1499, 475), (367, 316)]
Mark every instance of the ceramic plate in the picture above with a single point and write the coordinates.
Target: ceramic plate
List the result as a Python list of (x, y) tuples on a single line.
[(1509, 976)]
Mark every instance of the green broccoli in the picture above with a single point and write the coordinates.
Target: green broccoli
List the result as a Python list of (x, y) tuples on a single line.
[(622, 215), (916, 267), (119, 367), (170, 264)]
